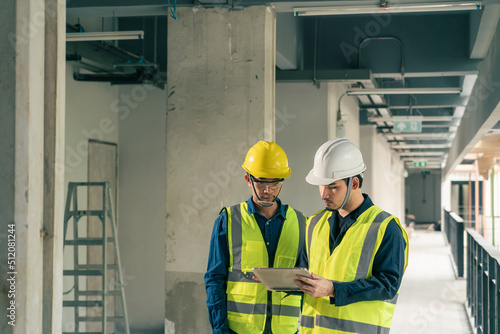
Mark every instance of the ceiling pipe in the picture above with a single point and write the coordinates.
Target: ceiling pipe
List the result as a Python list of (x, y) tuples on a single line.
[(381, 39)]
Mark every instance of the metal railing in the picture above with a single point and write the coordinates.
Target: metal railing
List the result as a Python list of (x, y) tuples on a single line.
[(454, 229), (483, 289)]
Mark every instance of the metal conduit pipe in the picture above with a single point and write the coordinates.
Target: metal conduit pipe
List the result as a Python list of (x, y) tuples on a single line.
[(383, 38)]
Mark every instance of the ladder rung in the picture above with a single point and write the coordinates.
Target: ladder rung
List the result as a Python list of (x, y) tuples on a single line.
[(82, 272), (87, 241), (99, 319), (81, 332), (87, 213), (82, 303), (95, 266), (98, 293), (84, 242)]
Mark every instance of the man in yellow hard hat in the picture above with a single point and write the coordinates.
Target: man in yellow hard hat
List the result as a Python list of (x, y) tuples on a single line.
[(261, 232), (356, 252)]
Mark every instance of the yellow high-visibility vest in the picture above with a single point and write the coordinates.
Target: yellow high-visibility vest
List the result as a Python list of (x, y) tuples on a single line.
[(351, 260), (246, 298)]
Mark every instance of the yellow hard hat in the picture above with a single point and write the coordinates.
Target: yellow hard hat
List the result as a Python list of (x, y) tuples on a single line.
[(266, 159)]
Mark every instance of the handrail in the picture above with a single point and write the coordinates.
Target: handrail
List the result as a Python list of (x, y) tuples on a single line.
[(483, 276), (454, 230)]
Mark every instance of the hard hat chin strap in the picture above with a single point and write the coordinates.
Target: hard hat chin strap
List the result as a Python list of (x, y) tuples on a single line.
[(349, 183)]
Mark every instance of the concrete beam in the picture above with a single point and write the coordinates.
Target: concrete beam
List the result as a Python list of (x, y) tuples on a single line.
[(288, 41), (482, 28), (483, 109), (54, 144)]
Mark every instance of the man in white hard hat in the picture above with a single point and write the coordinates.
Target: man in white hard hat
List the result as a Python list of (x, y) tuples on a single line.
[(356, 252)]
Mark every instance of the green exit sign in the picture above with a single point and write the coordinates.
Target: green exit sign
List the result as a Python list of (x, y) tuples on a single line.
[(419, 163), (407, 123)]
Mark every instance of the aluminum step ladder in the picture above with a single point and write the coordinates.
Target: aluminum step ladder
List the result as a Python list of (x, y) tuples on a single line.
[(94, 306)]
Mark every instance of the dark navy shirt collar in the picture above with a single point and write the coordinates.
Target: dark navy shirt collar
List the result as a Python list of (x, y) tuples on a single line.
[(367, 203), (252, 209)]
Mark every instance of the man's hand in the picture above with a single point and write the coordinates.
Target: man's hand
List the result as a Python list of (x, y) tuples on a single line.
[(315, 287)]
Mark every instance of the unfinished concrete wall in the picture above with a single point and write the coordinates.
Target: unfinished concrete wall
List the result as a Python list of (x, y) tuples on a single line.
[(141, 209), (220, 102), (21, 166), (384, 175), (301, 128)]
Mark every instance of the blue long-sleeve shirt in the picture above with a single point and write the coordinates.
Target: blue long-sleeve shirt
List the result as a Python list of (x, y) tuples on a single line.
[(218, 260), (388, 264)]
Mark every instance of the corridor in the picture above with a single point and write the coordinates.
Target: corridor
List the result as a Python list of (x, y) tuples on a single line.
[(431, 300)]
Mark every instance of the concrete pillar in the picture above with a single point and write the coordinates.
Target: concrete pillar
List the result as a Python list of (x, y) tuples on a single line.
[(54, 125), (21, 149), (221, 70)]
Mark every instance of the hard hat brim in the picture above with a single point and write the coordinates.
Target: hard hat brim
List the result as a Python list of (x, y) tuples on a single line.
[(318, 181), (283, 173), (311, 178)]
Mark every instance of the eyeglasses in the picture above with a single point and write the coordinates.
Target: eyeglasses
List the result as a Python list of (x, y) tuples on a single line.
[(262, 185)]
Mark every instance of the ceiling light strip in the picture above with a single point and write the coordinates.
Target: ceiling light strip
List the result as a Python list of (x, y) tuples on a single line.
[(396, 8), (104, 36), (423, 119), (398, 91)]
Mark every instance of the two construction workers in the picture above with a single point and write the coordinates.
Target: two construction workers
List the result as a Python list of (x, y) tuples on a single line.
[(356, 252)]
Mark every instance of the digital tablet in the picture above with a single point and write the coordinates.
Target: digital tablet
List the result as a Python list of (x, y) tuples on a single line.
[(280, 279)]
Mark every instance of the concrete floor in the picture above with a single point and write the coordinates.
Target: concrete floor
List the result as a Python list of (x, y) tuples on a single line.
[(431, 300)]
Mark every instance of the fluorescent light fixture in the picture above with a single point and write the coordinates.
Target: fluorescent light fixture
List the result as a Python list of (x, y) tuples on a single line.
[(395, 91), (392, 8), (422, 146), (422, 135), (424, 119), (420, 154), (103, 36)]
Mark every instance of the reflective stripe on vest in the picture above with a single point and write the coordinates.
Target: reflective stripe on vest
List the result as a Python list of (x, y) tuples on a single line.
[(247, 299), (354, 256)]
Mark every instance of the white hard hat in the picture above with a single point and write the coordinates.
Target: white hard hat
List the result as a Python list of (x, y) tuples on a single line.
[(336, 159)]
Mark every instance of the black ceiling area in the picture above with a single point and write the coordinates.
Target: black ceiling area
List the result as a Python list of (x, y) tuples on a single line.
[(430, 59)]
